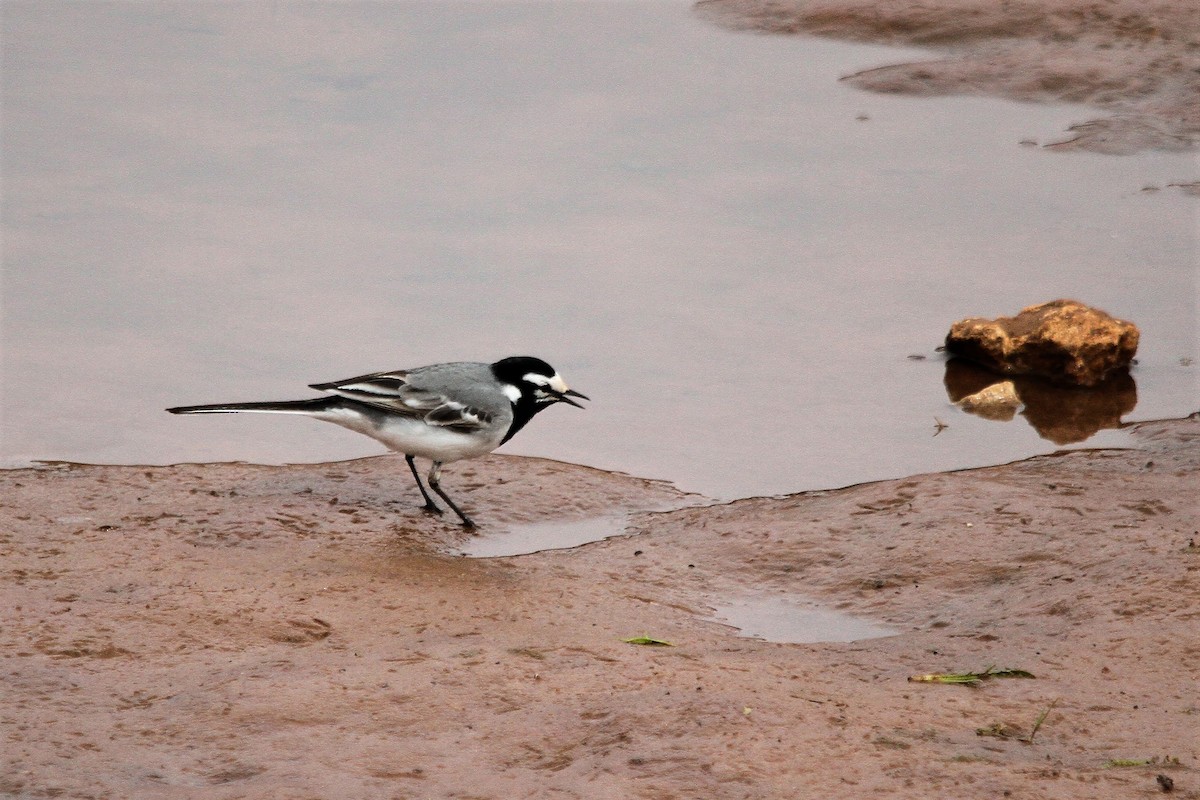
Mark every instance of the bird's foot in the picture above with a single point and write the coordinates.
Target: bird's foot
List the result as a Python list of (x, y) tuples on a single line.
[(468, 523), (432, 509)]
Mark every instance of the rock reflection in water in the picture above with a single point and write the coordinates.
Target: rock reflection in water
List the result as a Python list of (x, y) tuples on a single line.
[(1059, 414), (999, 401)]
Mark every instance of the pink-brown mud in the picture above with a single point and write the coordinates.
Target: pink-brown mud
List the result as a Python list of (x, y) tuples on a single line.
[(234, 631), (1138, 60)]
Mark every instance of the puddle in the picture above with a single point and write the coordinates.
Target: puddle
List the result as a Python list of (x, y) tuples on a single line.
[(533, 538), (784, 619)]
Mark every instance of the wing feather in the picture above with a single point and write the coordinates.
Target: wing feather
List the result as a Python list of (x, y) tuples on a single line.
[(392, 392), (458, 417)]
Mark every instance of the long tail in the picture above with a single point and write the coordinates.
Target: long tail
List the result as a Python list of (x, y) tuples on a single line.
[(313, 406)]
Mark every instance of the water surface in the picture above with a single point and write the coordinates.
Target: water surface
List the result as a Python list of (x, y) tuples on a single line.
[(796, 620), (733, 254), (518, 540)]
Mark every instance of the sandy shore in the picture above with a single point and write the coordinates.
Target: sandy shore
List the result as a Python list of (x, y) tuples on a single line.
[(233, 631), (1138, 61)]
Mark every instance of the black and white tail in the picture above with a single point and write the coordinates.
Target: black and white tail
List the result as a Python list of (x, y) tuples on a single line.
[(316, 405)]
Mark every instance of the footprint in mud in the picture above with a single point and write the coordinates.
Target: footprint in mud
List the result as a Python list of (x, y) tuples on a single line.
[(233, 772), (302, 631), (80, 648)]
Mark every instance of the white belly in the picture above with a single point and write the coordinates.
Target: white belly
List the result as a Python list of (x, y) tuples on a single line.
[(414, 438)]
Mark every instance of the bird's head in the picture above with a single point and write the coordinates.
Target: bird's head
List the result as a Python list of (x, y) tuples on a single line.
[(531, 380)]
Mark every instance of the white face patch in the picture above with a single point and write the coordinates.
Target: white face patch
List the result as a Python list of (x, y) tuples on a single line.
[(554, 384), (511, 392), (536, 379)]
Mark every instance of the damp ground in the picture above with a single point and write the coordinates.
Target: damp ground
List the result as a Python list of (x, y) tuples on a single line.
[(229, 630)]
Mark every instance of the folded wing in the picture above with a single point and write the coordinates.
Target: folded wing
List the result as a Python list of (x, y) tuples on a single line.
[(392, 392)]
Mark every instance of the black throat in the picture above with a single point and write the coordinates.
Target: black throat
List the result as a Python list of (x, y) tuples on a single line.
[(523, 411)]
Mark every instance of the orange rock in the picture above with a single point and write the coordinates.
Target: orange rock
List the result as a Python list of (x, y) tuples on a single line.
[(1063, 341)]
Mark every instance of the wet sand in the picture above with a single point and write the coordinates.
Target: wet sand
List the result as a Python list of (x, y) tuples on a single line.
[(1138, 61), (227, 630)]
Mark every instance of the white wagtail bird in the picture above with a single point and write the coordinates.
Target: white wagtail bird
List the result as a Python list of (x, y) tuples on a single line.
[(443, 412)]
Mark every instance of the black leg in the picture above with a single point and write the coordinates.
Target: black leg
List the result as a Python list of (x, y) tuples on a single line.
[(435, 475), (429, 504)]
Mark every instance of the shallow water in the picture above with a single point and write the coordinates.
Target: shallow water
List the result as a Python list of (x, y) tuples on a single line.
[(774, 618), (733, 254), (795, 620), (519, 540)]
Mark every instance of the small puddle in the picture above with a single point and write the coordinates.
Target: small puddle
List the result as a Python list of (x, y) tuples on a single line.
[(784, 619), (533, 538)]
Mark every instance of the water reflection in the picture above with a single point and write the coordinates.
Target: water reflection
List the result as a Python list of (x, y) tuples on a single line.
[(727, 247), (1060, 414)]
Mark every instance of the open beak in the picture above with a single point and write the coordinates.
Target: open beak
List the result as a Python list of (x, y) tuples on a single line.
[(565, 397)]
